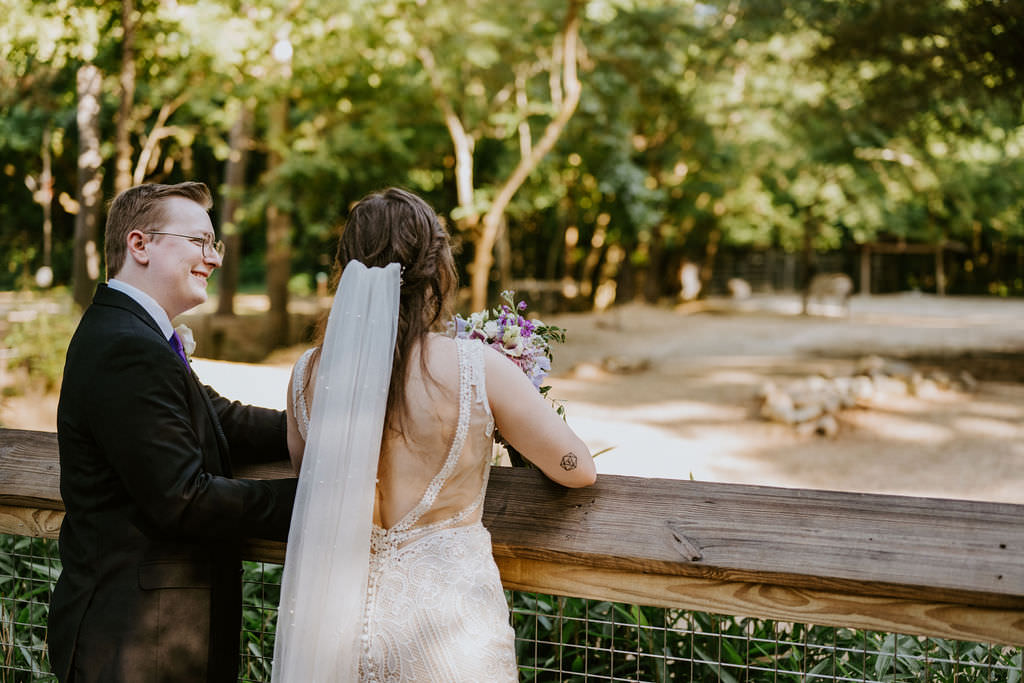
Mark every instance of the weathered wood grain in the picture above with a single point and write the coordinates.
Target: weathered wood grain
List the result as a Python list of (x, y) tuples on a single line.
[(29, 521), (949, 568), (768, 601), (895, 546), (29, 471)]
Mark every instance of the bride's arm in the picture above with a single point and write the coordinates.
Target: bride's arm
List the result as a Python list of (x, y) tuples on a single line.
[(529, 422), (296, 444)]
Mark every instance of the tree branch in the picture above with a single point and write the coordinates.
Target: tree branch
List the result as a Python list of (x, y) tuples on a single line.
[(463, 142), (571, 88), (159, 132)]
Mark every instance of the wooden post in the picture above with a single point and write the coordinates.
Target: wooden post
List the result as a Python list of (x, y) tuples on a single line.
[(865, 270)]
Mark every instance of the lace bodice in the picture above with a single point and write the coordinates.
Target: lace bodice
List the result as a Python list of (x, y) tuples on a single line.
[(435, 609), (299, 379)]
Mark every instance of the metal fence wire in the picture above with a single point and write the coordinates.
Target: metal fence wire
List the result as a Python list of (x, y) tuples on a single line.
[(28, 569), (566, 639)]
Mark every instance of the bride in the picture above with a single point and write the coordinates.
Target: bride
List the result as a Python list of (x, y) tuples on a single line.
[(389, 574)]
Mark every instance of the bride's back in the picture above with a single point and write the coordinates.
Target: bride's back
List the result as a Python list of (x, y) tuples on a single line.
[(410, 459)]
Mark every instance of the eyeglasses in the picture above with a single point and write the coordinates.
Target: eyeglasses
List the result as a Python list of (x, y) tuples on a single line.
[(206, 242)]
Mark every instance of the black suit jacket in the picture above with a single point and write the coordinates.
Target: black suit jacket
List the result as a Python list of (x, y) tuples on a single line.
[(150, 588)]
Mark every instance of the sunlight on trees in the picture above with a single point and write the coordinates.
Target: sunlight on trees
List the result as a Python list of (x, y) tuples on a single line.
[(596, 144)]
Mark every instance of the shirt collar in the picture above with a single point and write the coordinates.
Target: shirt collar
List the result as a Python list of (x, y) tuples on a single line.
[(155, 310)]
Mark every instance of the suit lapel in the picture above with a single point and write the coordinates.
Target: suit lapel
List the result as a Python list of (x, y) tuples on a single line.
[(105, 296)]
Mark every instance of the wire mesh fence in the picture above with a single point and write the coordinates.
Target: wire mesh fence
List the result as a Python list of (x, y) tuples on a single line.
[(567, 639), (28, 570)]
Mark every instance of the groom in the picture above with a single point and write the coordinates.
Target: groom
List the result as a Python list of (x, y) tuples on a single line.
[(151, 584)]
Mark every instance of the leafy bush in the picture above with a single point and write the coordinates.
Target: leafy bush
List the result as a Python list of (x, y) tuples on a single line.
[(37, 345), (579, 640), (568, 639), (28, 570)]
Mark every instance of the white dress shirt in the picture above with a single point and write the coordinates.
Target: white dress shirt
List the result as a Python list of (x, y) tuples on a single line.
[(155, 310)]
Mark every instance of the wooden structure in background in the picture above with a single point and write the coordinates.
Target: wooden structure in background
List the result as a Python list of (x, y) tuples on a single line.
[(939, 250), (924, 566)]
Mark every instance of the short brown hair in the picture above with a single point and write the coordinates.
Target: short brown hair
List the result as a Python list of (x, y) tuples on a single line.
[(141, 208)]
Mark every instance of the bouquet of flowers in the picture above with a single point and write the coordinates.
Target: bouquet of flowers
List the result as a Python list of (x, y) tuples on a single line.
[(526, 342)]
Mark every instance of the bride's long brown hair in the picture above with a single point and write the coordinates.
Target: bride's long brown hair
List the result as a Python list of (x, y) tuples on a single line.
[(396, 226)]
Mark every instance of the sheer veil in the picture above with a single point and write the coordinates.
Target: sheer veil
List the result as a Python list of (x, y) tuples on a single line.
[(326, 564)]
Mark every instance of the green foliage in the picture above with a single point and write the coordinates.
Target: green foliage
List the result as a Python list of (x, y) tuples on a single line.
[(28, 568), (589, 638), (261, 593), (628, 642), (37, 345), (751, 123)]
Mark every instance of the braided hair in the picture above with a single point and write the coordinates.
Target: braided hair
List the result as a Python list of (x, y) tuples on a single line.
[(396, 226)]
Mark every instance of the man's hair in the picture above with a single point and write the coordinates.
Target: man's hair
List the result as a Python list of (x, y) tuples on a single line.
[(141, 208)]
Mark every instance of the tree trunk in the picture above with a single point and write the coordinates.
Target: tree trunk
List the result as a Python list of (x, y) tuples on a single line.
[(279, 228), (503, 249), (809, 263), (483, 257), (46, 200), (123, 143), (462, 142), (607, 287), (592, 260), (653, 279), (707, 268), (86, 263), (234, 187), (628, 278), (940, 271), (865, 270)]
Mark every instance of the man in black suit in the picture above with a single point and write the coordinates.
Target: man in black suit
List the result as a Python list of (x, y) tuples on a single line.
[(151, 584)]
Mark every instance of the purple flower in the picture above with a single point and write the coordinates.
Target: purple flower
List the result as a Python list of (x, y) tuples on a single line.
[(505, 329)]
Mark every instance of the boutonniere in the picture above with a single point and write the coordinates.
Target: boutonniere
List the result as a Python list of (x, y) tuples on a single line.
[(188, 340)]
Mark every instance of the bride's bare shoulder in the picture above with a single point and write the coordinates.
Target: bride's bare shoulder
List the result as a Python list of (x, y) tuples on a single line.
[(439, 343), (440, 358)]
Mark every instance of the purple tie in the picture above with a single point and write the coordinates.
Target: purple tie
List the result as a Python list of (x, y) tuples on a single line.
[(176, 345)]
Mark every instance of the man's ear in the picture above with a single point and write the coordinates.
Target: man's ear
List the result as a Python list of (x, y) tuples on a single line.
[(136, 246)]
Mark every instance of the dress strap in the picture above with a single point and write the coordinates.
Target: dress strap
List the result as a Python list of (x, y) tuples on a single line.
[(299, 393), (478, 379)]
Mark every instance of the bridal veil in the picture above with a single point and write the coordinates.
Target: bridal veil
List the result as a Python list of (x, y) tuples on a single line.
[(326, 564)]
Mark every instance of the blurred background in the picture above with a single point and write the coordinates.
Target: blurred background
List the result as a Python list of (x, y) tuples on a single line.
[(676, 182)]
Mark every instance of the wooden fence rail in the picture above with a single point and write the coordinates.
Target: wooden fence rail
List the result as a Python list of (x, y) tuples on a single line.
[(923, 566)]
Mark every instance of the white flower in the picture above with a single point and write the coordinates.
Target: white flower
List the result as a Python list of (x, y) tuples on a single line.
[(512, 341), (491, 329), (188, 340)]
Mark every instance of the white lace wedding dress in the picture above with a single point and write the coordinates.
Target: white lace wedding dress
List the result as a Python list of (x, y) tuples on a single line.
[(435, 609)]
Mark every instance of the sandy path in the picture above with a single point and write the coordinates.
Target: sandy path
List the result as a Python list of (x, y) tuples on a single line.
[(694, 409)]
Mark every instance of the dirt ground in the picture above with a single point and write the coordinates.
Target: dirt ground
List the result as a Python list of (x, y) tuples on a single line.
[(691, 406), (672, 392)]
